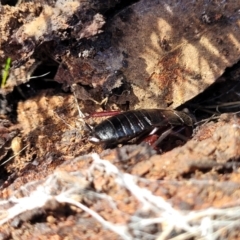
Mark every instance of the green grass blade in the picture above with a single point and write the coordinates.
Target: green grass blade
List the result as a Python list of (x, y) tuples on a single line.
[(5, 72)]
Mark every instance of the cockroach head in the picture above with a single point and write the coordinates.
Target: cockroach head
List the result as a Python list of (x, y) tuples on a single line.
[(93, 138)]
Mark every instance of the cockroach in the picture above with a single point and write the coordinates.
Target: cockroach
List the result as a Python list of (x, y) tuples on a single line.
[(132, 124)]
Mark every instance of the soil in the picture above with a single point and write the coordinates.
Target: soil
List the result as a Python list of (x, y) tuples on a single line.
[(56, 184)]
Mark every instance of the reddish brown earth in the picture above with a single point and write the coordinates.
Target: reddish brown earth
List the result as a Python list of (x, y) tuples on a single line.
[(125, 186), (55, 184)]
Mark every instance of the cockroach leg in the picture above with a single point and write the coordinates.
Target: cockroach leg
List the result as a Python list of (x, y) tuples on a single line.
[(154, 131), (104, 101), (162, 137), (89, 127), (188, 133)]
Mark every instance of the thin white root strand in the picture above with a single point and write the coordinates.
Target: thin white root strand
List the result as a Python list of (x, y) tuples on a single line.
[(62, 186)]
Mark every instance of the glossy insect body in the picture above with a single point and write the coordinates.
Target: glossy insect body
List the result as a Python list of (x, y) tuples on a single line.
[(128, 125)]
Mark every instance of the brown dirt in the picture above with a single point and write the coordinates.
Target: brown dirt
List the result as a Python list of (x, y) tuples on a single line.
[(55, 184), (201, 174)]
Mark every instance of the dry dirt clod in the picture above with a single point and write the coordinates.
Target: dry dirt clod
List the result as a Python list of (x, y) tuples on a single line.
[(8, 133), (168, 52)]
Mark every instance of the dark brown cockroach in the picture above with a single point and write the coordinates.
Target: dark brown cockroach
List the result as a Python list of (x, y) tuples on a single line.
[(132, 124)]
